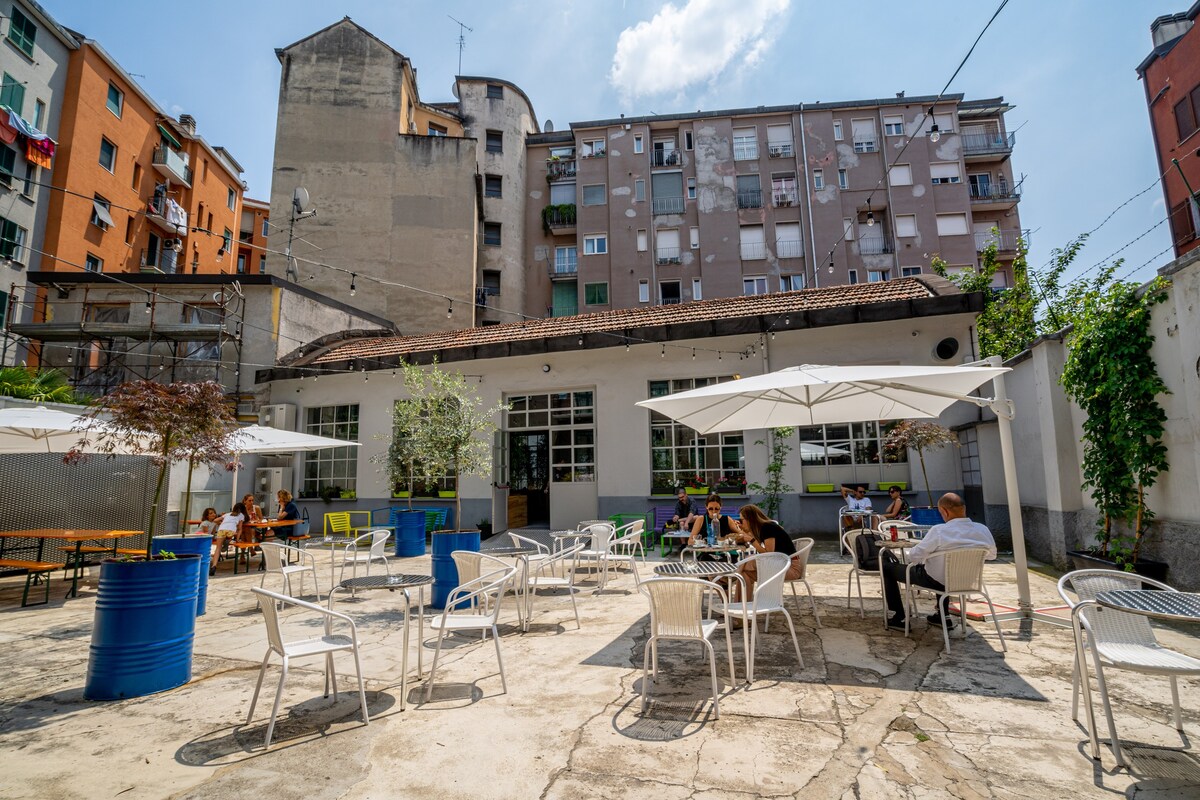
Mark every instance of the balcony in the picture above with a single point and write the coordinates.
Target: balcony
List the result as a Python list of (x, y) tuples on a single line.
[(559, 219), (246, 237), (789, 248), (865, 143), (782, 198), (564, 268), (751, 198), (997, 195), (563, 310), (753, 251), (666, 205), (157, 213), (744, 151), (665, 158), (985, 146), (667, 255), (875, 245), (162, 259), (172, 165), (560, 169), (783, 150), (1005, 241)]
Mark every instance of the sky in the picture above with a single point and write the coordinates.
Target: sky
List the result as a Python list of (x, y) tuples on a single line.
[(1083, 135)]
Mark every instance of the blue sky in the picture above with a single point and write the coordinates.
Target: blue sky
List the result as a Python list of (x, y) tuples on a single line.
[(1083, 142)]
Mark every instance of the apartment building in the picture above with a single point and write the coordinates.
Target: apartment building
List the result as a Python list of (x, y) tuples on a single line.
[(253, 236), (1170, 76), (33, 60)]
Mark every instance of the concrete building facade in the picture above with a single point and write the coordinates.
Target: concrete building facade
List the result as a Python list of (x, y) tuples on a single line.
[(1170, 76)]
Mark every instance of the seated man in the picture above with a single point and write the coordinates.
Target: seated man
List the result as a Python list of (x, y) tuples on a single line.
[(856, 500), (684, 513), (929, 570)]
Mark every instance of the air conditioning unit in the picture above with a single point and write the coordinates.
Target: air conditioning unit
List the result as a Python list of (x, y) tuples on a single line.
[(267, 483), (173, 244), (280, 415)]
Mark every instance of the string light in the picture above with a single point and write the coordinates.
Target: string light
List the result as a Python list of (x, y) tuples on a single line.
[(148, 304), (353, 287), (718, 355), (450, 309), (831, 266), (934, 133), (581, 341), (663, 354), (693, 354), (870, 216)]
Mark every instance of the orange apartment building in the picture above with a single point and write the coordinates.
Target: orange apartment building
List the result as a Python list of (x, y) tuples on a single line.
[(136, 190), (252, 237)]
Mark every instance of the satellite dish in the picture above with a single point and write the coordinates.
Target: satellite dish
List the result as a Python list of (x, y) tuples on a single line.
[(454, 90), (548, 127), (300, 199)]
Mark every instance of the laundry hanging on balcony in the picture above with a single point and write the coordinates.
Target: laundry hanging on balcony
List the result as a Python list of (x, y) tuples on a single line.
[(8, 134), (35, 153), (24, 128), (176, 216)]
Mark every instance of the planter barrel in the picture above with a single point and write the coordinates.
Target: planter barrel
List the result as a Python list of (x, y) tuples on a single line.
[(410, 532), (1145, 567), (445, 573), (925, 515), (143, 629), (200, 544)]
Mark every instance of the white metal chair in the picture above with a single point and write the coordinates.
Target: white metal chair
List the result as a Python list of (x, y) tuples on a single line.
[(804, 548), (470, 564), (768, 600), (483, 592), (902, 528), (1117, 639), (277, 557), (375, 544), (627, 542), (557, 572), (542, 553), (857, 570), (964, 577), (676, 612), (599, 548), (325, 645)]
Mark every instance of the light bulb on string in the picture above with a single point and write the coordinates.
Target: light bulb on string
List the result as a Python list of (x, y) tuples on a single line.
[(581, 341), (772, 335), (693, 354), (934, 133), (831, 266), (870, 218), (450, 310), (353, 287), (718, 355), (663, 354), (627, 346), (148, 304)]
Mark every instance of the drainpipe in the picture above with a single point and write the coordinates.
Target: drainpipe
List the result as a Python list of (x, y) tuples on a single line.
[(891, 215), (812, 234)]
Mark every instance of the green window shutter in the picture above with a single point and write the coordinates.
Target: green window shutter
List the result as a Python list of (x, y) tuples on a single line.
[(12, 94), (8, 160), (22, 32), (596, 294), (565, 299)]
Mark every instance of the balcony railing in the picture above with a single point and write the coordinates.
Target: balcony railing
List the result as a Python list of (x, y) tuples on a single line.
[(875, 245), (745, 151), (565, 267), (667, 255), (784, 197), (1005, 241), (563, 310), (789, 248), (665, 158), (246, 237), (160, 259), (173, 164), (670, 301), (975, 144), (560, 169), (865, 143), (558, 216), (780, 150), (750, 198), (666, 205), (753, 251), (994, 193)]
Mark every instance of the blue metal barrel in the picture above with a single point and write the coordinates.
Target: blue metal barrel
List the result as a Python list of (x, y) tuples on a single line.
[(410, 532), (143, 628), (199, 544), (922, 515), (445, 574)]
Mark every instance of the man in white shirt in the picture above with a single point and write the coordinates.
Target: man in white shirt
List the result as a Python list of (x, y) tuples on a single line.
[(857, 500), (957, 532)]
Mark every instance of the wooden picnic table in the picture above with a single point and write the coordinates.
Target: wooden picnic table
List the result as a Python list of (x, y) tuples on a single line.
[(78, 537)]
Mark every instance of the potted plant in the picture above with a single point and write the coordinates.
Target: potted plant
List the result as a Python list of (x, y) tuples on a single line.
[(145, 614), (330, 493), (695, 485), (920, 436), (485, 528)]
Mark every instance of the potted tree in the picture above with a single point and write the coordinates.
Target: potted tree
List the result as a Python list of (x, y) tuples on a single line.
[(775, 487), (403, 458), (146, 607), (920, 436)]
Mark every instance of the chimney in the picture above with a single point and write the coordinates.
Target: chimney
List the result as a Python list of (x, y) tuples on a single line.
[(1169, 27), (188, 123)]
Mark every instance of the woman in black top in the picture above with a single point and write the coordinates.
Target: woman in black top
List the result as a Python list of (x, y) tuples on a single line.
[(765, 536), (723, 526), (897, 505)]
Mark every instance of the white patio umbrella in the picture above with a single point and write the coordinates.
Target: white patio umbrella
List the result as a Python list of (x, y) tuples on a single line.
[(261, 439), (39, 429), (815, 395)]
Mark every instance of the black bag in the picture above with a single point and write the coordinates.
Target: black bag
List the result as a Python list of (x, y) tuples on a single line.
[(866, 551)]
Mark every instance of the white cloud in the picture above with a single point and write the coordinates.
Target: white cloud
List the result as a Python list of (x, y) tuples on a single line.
[(697, 42)]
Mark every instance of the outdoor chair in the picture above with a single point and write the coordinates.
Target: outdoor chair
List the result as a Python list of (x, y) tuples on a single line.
[(857, 570), (599, 548), (470, 564), (964, 577), (677, 612), (804, 548), (557, 572), (543, 552), (484, 592), (1118, 639), (768, 600), (901, 527), (627, 542), (367, 548), (277, 557), (325, 645)]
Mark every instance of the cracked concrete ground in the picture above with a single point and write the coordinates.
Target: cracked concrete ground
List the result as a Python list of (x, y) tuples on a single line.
[(871, 715)]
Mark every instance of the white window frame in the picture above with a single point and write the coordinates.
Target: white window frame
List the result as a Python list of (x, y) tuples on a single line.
[(818, 179), (955, 216), (892, 127), (691, 189), (754, 283), (945, 179), (643, 291), (843, 179), (792, 283), (566, 259), (900, 174), (120, 109), (747, 148), (848, 229), (852, 276), (697, 290), (838, 133), (694, 238), (908, 272), (92, 258), (100, 159), (878, 275), (598, 242), (661, 284), (346, 457), (639, 190), (593, 148), (901, 230), (643, 240), (639, 143), (688, 141)]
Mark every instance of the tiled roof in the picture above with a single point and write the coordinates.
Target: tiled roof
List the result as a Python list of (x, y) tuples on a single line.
[(661, 323)]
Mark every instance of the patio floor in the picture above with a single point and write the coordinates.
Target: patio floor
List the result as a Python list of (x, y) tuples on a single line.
[(872, 714)]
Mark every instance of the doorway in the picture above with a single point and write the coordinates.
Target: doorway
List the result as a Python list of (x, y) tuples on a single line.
[(529, 478)]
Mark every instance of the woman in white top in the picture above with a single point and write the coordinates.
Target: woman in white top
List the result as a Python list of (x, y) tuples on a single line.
[(230, 527)]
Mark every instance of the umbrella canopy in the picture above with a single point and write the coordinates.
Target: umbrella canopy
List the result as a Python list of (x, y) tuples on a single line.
[(261, 439), (814, 395), (46, 430)]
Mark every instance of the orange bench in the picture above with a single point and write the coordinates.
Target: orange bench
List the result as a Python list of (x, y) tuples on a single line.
[(33, 569), (94, 550)]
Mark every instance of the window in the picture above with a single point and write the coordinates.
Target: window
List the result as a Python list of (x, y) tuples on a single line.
[(595, 244), (749, 191), (491, 282), (754, 285), (593, 148), (852, 276), (859, 444), (694, 238), (130, 231), (435, 130), (39, 115), (231, 199), (900, 174), (877, 275), (666, 190), (679, 454), (108, 154), (908, 272), (642, 240), (697, 293), (227, 240), (116, 100), (1187, 114), (643, 291), (670, 293), (843, 181), (952, 225), (968, 457), (779, 141), (492, 186), (8, 164), (22, 31), (666, 247), (12, 94), (639, 190), (566, 260), (753, 246), (266, 228), (787, 240), (562, 194), (12, 240), (204, 174), (791, 283), (570, 416), (593, 195), (687, 140), (818, 179), (893, 126), (595, 294), (837, 130), (638, 143), (100, 213), (945, 123), (494, 142), (944, 172), (863, 131), (93, 263), (334, 467), (491, 233), (31, 171), (906, 224), (783, 189), (745, 144), (691, 188), (136, 183), (495, 91), (241, 263)]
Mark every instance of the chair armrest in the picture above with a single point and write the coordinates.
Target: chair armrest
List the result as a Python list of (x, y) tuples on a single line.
[(456, 596)]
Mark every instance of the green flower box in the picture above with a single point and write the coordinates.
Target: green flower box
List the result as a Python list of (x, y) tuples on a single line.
[(820, 487), (444, 493), (696, 490), (883, 486), (400, 494)]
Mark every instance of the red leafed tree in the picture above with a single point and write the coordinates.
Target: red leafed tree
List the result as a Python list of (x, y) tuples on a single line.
[(168, 422)]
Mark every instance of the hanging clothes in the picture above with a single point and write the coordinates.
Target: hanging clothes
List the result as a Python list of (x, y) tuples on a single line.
[(35, 155), (8, 134), (23, 127)]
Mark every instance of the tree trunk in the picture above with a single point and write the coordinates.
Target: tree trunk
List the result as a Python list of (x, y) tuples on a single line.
[(162, 474), (187, 498), (925, 476), (1137, 530)]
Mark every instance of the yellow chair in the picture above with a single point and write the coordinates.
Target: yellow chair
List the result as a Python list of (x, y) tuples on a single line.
[(337, 523)]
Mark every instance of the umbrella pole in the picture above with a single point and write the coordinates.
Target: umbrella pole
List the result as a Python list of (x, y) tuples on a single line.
[(236, 467)]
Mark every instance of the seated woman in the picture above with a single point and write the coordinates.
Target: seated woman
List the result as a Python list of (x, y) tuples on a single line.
[(897, 505), (254, 513), (765, 536), (287, 511), (722, 525), (685, 516), (230, 527)]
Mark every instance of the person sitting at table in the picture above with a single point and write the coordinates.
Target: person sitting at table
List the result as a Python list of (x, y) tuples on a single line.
[(856, 500), (685, 516), (765, 536), (723, 526), (897, 505), (287, 511), (929, 568), (208, 522), (230, 527), (254, 513)]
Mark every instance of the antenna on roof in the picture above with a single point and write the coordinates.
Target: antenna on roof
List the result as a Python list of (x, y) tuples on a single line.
[(462, 40)]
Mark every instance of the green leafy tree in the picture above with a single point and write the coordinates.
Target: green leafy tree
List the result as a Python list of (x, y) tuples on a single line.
[(38, 385), (920, 436), (775, 487), (403, 457)]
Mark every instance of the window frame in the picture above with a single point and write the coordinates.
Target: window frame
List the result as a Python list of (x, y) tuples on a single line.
[(12, 240), (639, 144), (231, 198), (493, 234), (493, 186), (92, 258), (748, 145), (112, 166), (588, 148), (493, 141), (679, 452), (890, 128), (755, 282), (818, 179), (588, 289), (583, 191), (108, 101), (494, 91), (598, 242), (332, 456), (839, 132), (23, 38), (843, 179), (10, 87)]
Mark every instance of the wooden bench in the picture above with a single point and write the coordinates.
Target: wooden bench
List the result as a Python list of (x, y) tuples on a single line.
[(33, 570), (94, 550), (243, 550)]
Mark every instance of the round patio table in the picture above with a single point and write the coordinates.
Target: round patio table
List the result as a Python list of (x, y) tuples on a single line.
[(695, 569), (404, 583), (899, 546)]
